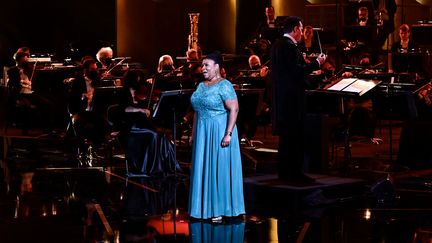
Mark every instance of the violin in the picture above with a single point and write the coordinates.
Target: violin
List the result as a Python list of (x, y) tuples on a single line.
[(146, 98)]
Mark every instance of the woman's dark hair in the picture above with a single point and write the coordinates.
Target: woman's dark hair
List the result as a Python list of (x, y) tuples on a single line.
[(216, 56), (131, 79)]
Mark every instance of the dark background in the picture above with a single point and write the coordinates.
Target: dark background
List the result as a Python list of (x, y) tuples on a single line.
[(56, 27), (53, 26)]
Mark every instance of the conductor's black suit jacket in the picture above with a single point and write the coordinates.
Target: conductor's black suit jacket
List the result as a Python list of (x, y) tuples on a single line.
[(289, 73)]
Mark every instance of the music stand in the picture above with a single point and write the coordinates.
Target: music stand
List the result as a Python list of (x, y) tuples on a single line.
[(350, 87), (353, 86), (171, 107), (171, 101)]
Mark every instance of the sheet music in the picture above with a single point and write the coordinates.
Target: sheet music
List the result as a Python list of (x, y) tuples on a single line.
[(342, 84), (354, 86)]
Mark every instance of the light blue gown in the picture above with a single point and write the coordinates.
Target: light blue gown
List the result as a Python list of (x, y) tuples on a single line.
[(216, 187)]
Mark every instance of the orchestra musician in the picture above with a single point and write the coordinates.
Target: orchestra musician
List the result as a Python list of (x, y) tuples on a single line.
[(247, 122), (104, 57), (107, 65), (405, 44), (165, 64), (363, 17), (138, 100), (87, 123), (267, 29), (270, 14), (21, 94), (308, 45), (192, 69), (255, 64), (266, 33), (404, 54), (324, 77)]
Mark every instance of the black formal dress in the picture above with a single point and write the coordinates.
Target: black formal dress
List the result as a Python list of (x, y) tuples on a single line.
[(289, 73)]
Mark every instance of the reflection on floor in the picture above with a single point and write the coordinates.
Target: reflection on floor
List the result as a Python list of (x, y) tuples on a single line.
[(45, 196)]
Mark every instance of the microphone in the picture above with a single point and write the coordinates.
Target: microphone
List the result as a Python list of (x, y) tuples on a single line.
[(318, 29)]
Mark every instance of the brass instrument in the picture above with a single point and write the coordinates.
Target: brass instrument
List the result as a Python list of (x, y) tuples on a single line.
[(193, 36)]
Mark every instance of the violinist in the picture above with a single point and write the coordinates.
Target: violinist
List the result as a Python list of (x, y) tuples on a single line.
[(138, 100), (20, 90), (309, 45), (323, 77), (108, 67), (21, 75), (255, 64), (104, 57), (87, 123)]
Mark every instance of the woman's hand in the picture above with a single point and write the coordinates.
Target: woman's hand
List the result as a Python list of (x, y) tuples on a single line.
[(226, 141)]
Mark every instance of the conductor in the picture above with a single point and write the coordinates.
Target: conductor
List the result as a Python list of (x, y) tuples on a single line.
[(289, 73)]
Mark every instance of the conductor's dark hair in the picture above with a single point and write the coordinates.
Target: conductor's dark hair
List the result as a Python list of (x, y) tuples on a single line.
[(291, 22)]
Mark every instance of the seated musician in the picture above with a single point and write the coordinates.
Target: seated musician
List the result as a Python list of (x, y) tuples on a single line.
[(87, 123), (324, 77), (267, 29), (363, 17), (193, 61), (403, 58), (135, 101), (248, 117), (192, 69), (21, 94), (255, 65), (308, 45), (104, 57), (405, 44), (261, 48), (165, 64)]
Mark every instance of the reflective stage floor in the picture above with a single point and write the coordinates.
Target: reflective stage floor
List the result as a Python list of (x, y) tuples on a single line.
[(46, 197)]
